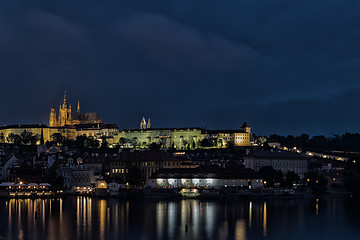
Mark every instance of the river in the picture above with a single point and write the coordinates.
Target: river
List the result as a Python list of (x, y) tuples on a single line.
[(90, 218)]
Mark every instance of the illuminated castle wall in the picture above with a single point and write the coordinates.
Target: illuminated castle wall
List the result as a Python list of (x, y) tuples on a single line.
[(183, 138)]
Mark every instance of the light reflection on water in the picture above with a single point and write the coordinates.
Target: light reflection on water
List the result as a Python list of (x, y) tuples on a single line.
[(91, 218)]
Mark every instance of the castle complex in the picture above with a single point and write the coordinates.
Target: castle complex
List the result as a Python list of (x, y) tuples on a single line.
[(71, 125), (67, 118)]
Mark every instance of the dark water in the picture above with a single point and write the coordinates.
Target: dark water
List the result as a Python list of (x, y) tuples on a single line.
[(88, 218)]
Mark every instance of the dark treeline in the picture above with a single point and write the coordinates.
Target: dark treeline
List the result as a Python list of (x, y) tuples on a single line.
[(346, 142)]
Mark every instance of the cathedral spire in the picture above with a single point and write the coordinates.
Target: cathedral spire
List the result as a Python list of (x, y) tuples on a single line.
[(148, 124), (65, 100), (143, 123), (78, 107), (42, 137)]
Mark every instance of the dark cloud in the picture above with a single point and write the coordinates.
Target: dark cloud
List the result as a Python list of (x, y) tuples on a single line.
[(284, 66)]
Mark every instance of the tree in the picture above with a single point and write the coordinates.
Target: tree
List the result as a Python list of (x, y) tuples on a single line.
[(261, 140), (185, 144), (154, 146), (25, 137), (352, 176), (230, 145), (206, 142), (57, 138), (14, 138), (271, 176), (291, 178), (2, 138), (91, 142), (34, 139), (122, 142), (134, 177), (316, 182), (104, 143)]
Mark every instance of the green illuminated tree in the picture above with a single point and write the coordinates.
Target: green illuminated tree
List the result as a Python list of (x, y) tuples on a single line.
[(2, 138), (122, 142)]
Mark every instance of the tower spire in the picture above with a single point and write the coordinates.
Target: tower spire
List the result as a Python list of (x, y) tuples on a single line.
[(65, 100), (143, 123), (148, 124), (78, 107), (42, 137)]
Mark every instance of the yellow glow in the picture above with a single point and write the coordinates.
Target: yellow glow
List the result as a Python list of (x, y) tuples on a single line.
[(265, 219)]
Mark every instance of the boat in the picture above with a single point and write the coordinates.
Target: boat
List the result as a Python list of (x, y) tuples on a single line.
[(190, 193)]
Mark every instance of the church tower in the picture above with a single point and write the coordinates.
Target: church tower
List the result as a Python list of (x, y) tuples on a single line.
[(53, 117), (143, 123), (148, 126), (64, 113), (245, 127)]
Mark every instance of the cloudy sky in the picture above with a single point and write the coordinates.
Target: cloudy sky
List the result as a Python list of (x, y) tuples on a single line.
[(285, 67)]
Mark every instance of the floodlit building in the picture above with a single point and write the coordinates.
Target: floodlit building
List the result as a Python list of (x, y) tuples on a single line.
[(206, 176), (279, 160)]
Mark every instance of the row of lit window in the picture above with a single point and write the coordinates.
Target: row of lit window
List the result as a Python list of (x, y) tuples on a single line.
[(120, 170)]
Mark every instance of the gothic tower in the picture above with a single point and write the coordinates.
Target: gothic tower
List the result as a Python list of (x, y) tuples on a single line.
[(53, 117), (64, 113), (245, 127), (148, 124), (143, 123)]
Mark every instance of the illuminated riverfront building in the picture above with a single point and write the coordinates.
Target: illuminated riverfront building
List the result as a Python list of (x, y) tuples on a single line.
[(280, 160), (206, 176)]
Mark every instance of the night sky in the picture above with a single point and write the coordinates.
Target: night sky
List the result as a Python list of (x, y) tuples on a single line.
[(285, 67)]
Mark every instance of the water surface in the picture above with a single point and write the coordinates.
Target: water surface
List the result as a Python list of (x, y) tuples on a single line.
[(90, 218)]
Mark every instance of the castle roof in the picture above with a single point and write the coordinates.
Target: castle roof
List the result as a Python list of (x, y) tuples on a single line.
[(24, 126), (205, 171), (226, 131), (86, 116), (275, 154), (245, 125), (95, 126)]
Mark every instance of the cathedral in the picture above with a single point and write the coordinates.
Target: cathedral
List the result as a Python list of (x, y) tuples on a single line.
[(67, 118)]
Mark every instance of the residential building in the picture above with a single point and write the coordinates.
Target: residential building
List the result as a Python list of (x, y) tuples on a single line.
[(279, 160)]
